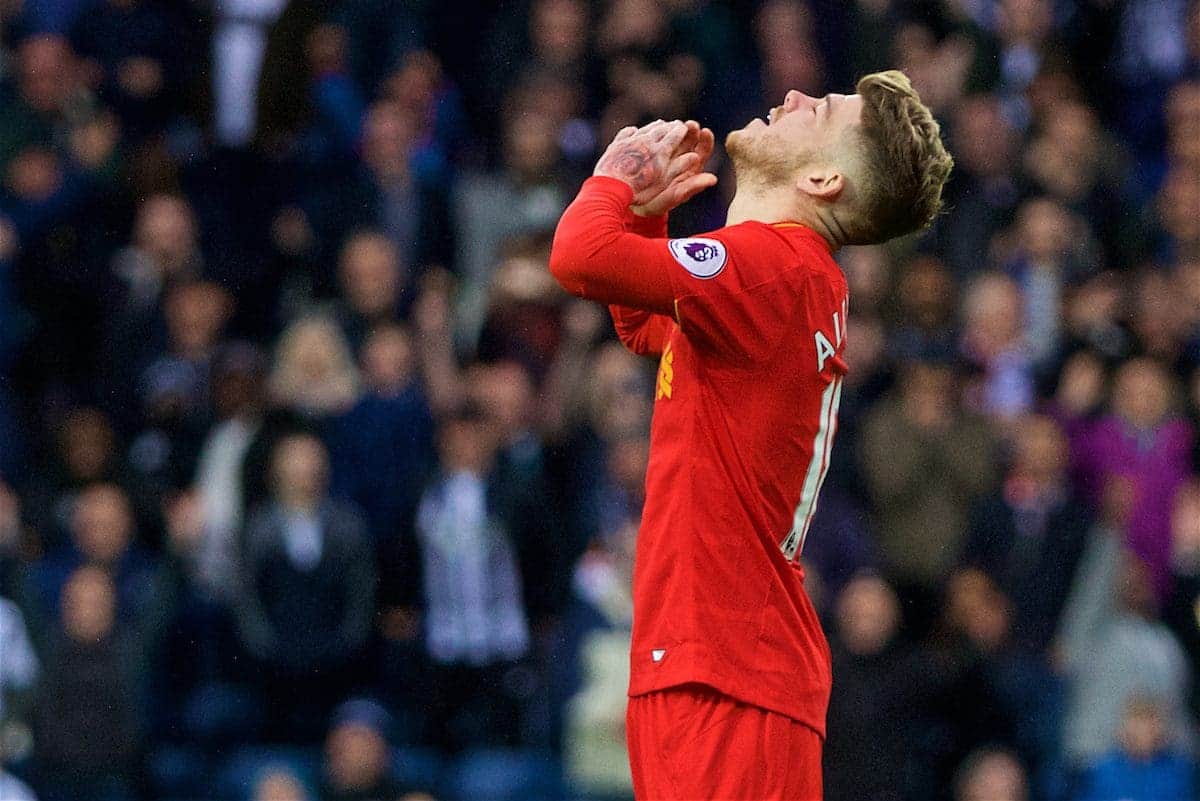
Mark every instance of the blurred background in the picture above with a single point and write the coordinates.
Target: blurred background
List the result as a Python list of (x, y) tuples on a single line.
[(313, 485)]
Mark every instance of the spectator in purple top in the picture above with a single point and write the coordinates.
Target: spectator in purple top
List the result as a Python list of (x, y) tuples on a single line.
[(1145, 445)]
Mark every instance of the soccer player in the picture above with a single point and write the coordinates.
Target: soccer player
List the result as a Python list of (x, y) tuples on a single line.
[(730, 670)]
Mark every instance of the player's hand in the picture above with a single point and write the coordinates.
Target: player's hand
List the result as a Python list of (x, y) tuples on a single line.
[(687, 162), (644, 158)]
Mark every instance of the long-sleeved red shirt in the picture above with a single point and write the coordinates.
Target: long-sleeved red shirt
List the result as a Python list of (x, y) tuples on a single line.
[(749, 322)]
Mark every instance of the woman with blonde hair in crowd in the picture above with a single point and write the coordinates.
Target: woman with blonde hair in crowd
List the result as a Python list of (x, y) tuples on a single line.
[(314, 374)]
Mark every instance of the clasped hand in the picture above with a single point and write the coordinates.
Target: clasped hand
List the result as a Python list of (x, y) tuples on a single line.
[(662, 162)]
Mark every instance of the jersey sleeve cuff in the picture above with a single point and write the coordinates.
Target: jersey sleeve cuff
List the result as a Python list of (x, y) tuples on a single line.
[(621, 192), (615, 188), (651, 227)]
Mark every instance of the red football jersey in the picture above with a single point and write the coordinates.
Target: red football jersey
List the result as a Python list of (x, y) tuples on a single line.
[(749, 322)]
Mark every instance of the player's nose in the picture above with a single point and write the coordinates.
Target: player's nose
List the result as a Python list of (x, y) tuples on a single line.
[(793, 99)]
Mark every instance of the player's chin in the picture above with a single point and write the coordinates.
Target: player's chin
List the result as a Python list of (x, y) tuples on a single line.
[(736, 140), (740, 141)]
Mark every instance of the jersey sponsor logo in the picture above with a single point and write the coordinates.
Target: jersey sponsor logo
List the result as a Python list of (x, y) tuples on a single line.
[(703, 258)]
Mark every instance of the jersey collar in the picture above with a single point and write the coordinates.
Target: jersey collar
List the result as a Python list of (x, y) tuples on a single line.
[(804, 230)]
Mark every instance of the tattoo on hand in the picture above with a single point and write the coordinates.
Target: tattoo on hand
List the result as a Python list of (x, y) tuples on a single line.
[(632, 163)]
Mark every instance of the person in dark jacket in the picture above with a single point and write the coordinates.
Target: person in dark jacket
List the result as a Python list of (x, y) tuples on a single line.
[(89, 719), (307, 589), (1030, 534), (869, 697), (470, 524)]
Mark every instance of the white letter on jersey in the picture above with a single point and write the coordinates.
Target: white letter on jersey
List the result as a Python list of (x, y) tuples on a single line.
[(824, 350)]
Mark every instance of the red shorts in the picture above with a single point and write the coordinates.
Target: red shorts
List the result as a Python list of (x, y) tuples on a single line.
[(692, 743)]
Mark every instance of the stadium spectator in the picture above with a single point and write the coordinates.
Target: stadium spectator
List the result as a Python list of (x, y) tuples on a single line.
[(1079, 168), (306, 590), (419, 82), (238, 399), (84, 452), (995, 691), (1051, 251), (866, 647), (400, 188), (92, 682), (14, 538), (48, 98), (1146, 764), (504, 392), (553, 38), (382, 448), (1177, 237), (13, 789), (1180, 610), (991, 774), (103, 535), (926, 462), (357, 755), (476, 626), (1030, 534), (522, 320), (982, 192), (594, 735), (133, 61), (164, 250), (314, 376), (523, 197), (926, 296), (1158, 319), (279, 784), (1150, 54), (372, 278), (997, 345), (173, 390), (1112, 648), (18, 670), (1146, 446)]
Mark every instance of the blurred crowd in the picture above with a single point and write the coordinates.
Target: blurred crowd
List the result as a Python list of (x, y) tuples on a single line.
[(313, 485)]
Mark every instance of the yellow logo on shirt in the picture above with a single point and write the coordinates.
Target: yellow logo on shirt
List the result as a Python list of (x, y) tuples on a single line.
[(666, 373)]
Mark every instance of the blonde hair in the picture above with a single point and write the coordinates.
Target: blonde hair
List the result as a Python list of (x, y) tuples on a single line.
[(906, 164), (314, 367)]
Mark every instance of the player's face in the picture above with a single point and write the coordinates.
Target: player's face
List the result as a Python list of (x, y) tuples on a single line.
[(801, 125)]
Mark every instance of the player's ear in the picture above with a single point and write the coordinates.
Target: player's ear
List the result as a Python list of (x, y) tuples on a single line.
[(823, 182)]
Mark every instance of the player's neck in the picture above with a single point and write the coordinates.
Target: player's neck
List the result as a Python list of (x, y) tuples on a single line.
[(773, 206), (760, 205)]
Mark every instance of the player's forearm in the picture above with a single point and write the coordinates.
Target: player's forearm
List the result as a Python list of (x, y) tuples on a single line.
[(595, 257), (642, 332)]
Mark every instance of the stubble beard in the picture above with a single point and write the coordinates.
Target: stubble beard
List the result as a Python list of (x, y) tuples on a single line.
[(760, 162)]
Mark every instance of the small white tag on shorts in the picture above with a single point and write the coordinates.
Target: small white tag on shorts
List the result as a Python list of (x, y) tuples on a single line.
[(700, 256), (658, 653)]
